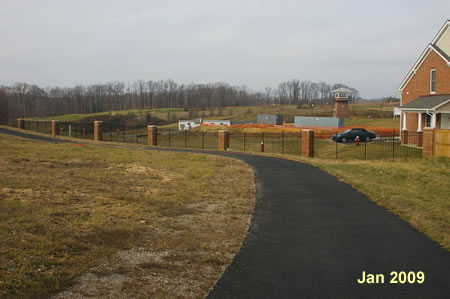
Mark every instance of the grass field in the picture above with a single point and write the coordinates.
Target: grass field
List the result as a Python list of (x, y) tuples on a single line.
[(76, 117), (142, 223), (366, 115)]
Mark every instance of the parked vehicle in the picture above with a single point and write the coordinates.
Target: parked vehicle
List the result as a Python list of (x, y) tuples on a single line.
[(351, 134)]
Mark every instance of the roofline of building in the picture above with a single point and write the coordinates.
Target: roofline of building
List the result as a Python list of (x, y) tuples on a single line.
[(442, 104), (441, 32), (431, 46), (428, 109), (419, 62), (342, 90)]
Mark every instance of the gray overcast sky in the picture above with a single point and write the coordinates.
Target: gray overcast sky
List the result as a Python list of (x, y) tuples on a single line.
[(369, 45)]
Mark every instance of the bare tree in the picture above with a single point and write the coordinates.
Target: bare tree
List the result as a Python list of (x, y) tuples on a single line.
[(294, 91), (4, 105), (24, 100), (283, 93), (19, 91), (268, 94)]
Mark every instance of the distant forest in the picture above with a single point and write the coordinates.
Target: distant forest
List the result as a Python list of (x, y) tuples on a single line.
[(22, 100)]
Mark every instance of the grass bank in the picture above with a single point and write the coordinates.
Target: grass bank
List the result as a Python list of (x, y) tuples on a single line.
[(141, 223)]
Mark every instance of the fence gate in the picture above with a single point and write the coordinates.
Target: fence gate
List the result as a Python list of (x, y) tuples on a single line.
[(442, 143)]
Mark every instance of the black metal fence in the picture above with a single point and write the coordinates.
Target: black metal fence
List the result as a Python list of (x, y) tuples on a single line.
[(40, 126), (386, 146), (125, 134), (83, 130), (273, 142), (188, 139), (8, 122), (287, 143)]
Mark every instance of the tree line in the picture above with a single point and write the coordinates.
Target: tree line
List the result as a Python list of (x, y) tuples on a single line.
[(22, 100)]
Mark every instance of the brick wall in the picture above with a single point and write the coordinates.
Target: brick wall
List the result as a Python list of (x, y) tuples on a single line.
[(98, 132), (308, 143), (224, 140), (428, 142), (152, 135), (419, 85), (55, 128)]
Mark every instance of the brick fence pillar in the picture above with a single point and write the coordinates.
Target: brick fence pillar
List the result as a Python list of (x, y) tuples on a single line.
[(224, 140), (404, 136), (98, 132), (20, 123), (152, 135), (428, 142), (308, 143), (419, 139), (55, 128)]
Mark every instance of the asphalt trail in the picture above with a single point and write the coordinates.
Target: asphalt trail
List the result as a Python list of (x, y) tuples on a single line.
[(34, 137), (312, 236)]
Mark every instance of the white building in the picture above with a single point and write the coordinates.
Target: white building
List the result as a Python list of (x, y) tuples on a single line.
[(186, 125), (220, 122)]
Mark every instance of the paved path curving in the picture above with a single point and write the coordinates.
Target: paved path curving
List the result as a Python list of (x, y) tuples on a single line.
[(312, 237)]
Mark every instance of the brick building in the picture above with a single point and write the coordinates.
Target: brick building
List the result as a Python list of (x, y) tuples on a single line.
[(425, 91)]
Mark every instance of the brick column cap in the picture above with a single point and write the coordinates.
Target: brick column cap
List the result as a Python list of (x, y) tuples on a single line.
[(98, 121)]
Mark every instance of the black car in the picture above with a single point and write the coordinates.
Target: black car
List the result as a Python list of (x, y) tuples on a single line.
[(350, 135)]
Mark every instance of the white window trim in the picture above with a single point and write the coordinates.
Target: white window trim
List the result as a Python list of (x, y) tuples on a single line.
[(431, 81)]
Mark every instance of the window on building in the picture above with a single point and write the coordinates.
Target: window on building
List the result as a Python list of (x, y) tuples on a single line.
[(433, 81), (428, 121)]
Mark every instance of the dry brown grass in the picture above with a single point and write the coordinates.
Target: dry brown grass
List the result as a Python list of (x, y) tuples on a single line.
[(99, 221)]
